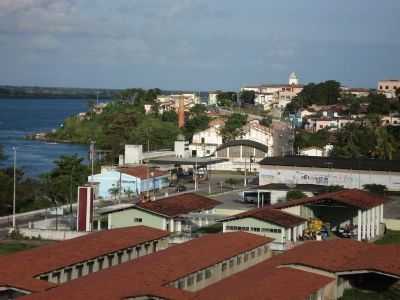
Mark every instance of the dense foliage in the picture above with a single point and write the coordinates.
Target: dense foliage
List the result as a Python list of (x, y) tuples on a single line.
[(369, 141), (123, 121), (233, 127), (324, 93), (305, 139), (226, 99), (295, 194)]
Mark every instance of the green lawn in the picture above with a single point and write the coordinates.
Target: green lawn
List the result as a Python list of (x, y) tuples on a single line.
[(391, 237), (7, 248), (354, 294)]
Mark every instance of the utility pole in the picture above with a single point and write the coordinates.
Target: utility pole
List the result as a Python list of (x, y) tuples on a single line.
[(92, 157), (15, 187), (120, 187), (245, 172), (195, 176)]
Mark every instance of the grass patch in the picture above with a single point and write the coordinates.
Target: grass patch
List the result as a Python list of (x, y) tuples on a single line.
[(391, 237), (8, 248), (355, 294)]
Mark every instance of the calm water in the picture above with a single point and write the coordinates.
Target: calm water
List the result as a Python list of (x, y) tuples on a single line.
[(19, 117)]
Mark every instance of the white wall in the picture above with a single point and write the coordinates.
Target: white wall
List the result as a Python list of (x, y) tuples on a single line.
[(346, 178)]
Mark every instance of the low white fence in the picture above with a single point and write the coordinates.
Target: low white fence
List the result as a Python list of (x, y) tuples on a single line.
[(54, 235)]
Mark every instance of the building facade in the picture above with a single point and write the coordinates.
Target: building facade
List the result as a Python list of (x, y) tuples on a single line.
[(388, 87)]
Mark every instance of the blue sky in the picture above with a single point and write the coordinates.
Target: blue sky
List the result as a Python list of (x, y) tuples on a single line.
[(197, 44)]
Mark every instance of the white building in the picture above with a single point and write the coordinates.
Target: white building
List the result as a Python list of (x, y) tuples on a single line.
[(213, 98), (349, 173), (206, 142), (276, 95), (388, 87), (171, 102), (316, 151), (284, 228)]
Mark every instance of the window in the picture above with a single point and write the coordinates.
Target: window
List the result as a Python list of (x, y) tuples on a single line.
[(120, 254), (253, 254), (90, 266), (203, 140), (265, 249), (239, 260), (208, 273), (223, 267), (129, 252), (56, 276), (246, 257), (110, 260), (258, 251), (231, 263), (138, 220), (101, 261), (199, 276), (68, 274), (190, 280), (181, 284), (79, 270), (44, 277), (138, 251)]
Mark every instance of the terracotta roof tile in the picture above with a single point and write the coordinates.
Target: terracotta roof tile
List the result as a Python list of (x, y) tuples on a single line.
[(150, 275), (142, 172), (15, 272), (269, 214), (264, 282), (179, 204), (354, 197)]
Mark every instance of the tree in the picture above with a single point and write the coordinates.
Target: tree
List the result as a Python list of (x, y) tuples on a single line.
[(62, 182), (129, 193), (226, 99), (324, 93), (233, 127), (378, 104), (114, 191), (267, 121), (247, 97), (377, 189), (304, 139), (292, 195), (169, 116)]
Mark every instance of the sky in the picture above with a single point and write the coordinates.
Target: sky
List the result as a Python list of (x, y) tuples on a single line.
[(197, 44)]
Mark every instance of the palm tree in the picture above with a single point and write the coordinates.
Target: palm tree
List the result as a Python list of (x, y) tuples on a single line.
[(129, 193), (385, 144), (114, 191)]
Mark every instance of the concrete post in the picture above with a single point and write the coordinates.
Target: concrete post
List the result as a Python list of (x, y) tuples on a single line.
[(364, 224), (171, 225), (373, 222), (359, 222), (368, 224), (377, 223)]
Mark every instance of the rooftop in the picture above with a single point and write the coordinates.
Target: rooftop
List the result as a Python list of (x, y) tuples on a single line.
[(366, 164), (179, 205), (150, 275), (270, 215), (19, 269), (354, 197), (142, 172)]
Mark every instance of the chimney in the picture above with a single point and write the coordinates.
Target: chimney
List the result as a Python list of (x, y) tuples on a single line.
[(181, 112)]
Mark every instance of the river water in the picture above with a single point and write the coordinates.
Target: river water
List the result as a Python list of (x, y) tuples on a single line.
[(19, 117)]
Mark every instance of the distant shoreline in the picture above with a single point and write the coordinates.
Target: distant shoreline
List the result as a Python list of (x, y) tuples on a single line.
[(52, 97)]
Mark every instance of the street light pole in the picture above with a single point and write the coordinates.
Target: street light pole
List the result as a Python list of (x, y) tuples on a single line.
[(92, 154), (15, 185), (245, 172)]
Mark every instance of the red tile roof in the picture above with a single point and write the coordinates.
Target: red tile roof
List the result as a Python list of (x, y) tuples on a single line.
[(179, 205), (19, 269), (271, 215), (264, 282), (268, 280), (142, 172), (353, 197), (150, 275), (342, 255)]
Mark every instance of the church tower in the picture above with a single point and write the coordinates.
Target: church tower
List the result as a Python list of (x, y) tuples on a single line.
[(293, 79)]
